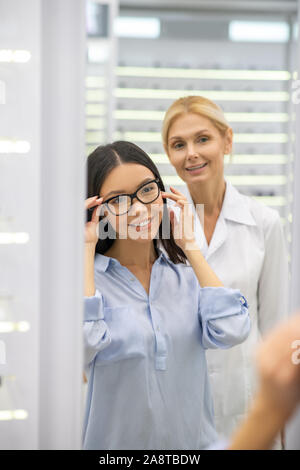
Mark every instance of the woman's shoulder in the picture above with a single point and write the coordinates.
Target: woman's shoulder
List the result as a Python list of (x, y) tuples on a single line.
[(264, 216)]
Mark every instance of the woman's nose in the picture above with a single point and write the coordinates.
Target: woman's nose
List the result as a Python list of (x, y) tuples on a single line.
[(137, 208), (191, 151)]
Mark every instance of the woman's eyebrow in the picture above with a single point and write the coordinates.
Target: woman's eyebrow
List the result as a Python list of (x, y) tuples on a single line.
[(196, 133), (122, 191)]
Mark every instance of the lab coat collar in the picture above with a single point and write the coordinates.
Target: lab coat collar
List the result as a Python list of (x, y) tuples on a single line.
[(235, 206)]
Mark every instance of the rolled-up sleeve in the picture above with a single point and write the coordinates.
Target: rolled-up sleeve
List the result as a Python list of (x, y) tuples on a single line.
[(224, 317), (95, 330)]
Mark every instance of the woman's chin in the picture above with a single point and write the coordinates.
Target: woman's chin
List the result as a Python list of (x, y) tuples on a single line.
[(144, 238), (195, 178)]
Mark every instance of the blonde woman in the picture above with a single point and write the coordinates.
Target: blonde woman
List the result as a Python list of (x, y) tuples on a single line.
[(241, 239)]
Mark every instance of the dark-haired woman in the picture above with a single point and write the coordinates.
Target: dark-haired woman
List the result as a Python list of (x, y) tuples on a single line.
[(152, 307)]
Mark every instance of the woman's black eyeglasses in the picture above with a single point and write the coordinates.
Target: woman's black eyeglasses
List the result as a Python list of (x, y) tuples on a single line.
[(147, 193)]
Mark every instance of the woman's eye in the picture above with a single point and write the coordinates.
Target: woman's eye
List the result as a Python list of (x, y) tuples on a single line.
[(203, 139), (178, 145), (146, 190), (115, 201)]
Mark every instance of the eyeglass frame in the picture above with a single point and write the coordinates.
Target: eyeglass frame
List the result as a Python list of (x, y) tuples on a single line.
[(133, 196)]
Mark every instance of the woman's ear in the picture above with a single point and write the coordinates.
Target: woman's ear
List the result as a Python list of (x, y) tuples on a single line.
[(228, 141)]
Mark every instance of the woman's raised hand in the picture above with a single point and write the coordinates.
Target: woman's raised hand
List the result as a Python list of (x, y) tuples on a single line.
[(91, 236), (183, 230)]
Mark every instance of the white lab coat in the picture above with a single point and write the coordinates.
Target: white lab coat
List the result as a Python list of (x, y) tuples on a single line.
[(247, 252)]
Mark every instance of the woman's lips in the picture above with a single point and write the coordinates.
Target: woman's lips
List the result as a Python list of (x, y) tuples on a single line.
[(140, 228), (196, 169)]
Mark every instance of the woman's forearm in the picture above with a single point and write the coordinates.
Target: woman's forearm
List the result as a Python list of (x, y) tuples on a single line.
[(204, 273), (259, 429), (89, 276)]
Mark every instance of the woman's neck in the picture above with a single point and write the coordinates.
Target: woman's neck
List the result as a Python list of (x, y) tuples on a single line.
[(210, 193), (131, 253)]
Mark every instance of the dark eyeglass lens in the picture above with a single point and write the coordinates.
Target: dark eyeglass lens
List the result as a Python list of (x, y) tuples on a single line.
[(148, 193), (119, 205)]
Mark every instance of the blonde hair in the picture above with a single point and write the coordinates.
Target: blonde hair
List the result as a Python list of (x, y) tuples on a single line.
[(195, 105)]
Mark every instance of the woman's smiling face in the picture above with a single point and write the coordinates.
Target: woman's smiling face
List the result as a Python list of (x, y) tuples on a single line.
[(196, 148), (126, 179)]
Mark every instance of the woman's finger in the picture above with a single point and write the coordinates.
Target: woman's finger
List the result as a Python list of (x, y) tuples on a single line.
[(90, 199), (95, 215), (182, 201), (172, 219), (93, 201), (174, 197), (176, 191), (171, 213), (182, 204)]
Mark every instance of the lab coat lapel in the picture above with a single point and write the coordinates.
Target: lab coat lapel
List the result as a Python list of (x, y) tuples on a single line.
[(234, 208), (199, 233), (198, 230), (219, 236)]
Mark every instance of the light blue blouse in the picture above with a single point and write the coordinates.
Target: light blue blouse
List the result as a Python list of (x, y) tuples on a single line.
[(145, 356)]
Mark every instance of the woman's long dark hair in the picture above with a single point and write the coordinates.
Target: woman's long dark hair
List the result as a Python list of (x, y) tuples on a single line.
[(101, 162)]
